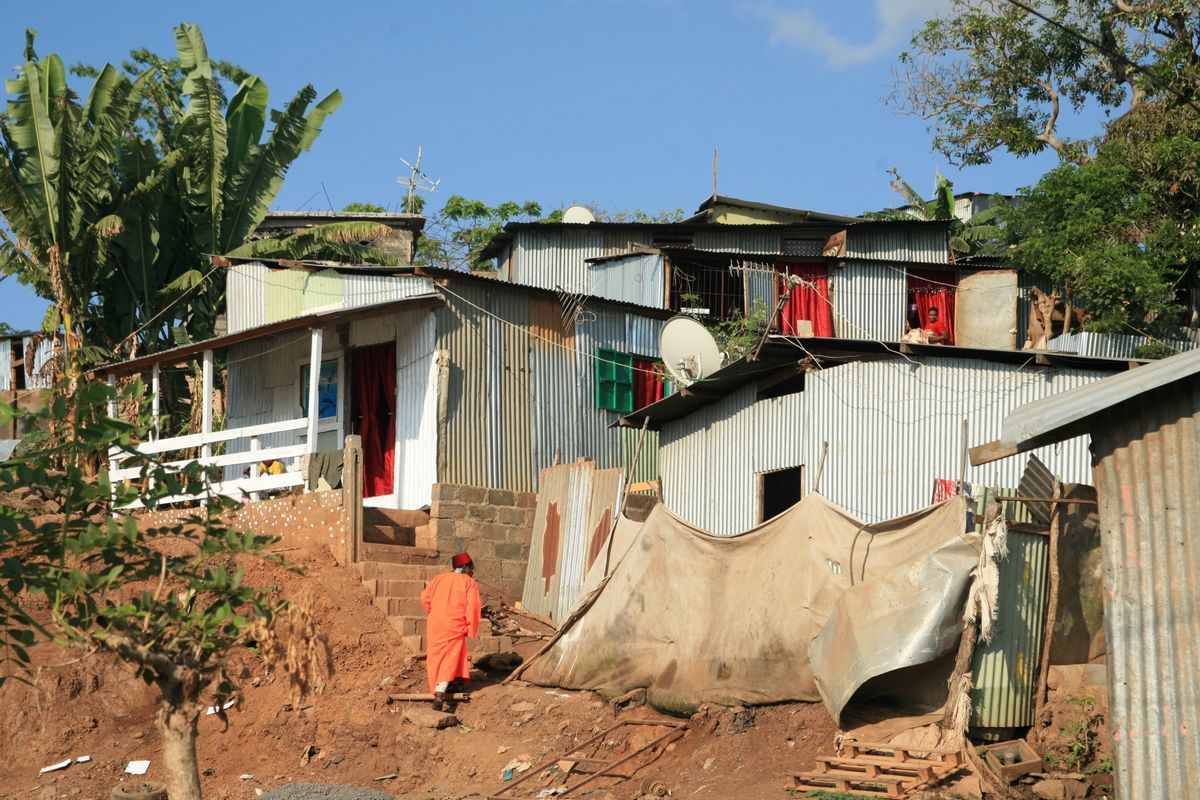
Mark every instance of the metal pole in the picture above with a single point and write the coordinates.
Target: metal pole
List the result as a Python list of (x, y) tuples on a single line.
[(820, 466), (1039, 697), (962, 464)]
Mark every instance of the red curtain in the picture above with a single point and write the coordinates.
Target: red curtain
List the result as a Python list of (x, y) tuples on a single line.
[(375, 389), (647, 385), (807, 302), (932, 289)]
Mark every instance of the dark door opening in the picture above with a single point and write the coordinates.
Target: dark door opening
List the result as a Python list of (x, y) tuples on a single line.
[(373, 406), (778, 491)]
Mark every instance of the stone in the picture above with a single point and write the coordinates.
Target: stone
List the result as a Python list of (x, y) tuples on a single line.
[(428, 718), (737, 720), (709, 763), (1060, 789)]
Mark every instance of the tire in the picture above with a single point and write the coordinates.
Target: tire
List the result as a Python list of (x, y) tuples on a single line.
[(139, 790)]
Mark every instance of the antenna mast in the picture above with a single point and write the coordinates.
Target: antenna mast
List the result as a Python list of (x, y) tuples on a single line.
[(714, 173), (417, 179)]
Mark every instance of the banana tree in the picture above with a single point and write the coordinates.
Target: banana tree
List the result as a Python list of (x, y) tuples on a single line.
[(981, 234)]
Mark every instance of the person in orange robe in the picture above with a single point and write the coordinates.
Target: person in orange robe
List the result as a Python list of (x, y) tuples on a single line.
[(452, 608)]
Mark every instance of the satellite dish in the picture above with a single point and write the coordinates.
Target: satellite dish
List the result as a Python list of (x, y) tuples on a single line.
[(578, 215), (688, 350)]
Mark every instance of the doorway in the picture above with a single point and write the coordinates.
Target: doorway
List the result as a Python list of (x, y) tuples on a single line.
[(374, 414), (779, 490)]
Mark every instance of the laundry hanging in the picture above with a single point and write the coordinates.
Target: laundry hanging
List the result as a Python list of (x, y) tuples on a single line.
[(647, 382), (808, 301)]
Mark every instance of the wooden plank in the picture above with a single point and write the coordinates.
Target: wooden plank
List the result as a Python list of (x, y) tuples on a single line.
[(226, 460), (191, 440), (235, 489)]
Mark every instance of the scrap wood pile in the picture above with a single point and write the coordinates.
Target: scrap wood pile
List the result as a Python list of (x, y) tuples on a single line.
[(880, 770)]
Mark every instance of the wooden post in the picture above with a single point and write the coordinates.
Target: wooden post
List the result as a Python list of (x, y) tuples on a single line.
[(637, 453), (155, 401), (962, 464), (352, 497), (1039, 696), (820, 466), (206, 424), (314, 379), (111, 380)]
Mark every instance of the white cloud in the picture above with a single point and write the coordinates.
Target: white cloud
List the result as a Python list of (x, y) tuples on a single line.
[(896, 21)]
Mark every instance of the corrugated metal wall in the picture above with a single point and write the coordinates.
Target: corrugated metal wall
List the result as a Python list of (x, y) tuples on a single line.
[(555, 258), (257, 295), (416, 413), (1113, 345), (1006, 668), (1148, 478), (766, 240), (637, 278), (927, 244), (892, 427), (518, 397), (869, 299)]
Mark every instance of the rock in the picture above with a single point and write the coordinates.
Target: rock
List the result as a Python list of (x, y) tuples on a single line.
[(523, 708), (1060, 789), (428, 718), (737, 720), (709, 763), (1073, 678)]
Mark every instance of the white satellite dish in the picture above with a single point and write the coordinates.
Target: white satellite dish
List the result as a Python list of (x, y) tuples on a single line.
[(688, 350), (578, 215)]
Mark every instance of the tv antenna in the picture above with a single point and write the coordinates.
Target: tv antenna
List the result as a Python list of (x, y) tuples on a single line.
[(417, 179)]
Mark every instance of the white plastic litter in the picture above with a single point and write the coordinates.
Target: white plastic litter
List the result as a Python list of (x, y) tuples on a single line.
[(83, 759), (137, 767), (228, 705), (59, 765)]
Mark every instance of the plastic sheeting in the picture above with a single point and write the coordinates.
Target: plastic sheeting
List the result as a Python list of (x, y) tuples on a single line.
[(808, 606)]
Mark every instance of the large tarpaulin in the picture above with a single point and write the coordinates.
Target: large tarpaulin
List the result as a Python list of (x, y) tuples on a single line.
[(808, 606)]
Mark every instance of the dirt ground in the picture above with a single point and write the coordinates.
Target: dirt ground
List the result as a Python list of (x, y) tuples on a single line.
[(351, 734)]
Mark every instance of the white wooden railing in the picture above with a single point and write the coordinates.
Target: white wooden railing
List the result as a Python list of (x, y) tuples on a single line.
[(235, 487)]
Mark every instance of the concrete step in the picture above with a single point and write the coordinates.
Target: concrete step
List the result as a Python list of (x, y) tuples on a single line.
[(408, 625), (370, 570), (390, 534), (476, 648), (399, 554), (400, 606), (389, 588), (373, 515)]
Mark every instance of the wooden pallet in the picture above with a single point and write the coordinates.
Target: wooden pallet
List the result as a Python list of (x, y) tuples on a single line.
[(871, 769)]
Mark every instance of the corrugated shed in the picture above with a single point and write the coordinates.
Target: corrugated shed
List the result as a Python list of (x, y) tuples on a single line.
[(1006, 668), (364, 290), (869, 300), (926, 244), (1115, 345), (892, 427), (1148, 478), (760, 288), (556, 258), (636, 278)]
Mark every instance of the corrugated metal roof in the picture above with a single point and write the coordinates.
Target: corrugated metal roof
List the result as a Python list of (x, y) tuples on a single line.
[(1115, 345), (1069, 414)]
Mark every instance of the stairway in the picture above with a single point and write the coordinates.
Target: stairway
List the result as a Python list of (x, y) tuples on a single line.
[(398, 559)]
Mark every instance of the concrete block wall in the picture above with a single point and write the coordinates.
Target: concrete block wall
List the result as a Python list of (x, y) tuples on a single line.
[(494, 525)]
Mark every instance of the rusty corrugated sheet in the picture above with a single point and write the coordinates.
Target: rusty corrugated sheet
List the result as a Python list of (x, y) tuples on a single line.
[(574, 515), (1147, 474)]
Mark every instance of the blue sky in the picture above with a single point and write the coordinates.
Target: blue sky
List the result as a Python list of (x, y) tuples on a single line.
[(613, 102)]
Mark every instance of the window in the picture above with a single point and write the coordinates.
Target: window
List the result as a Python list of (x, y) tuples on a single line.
[(625, 382), (779, 490), (614, 381)]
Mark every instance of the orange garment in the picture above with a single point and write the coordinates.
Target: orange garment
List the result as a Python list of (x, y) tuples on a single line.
[(452, 609)]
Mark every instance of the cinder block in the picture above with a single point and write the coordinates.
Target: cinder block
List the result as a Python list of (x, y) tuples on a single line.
[(509, 551), (501, 497), (525, 500), (451, 510), (472, 495), (513, 570), (413, 644), (408, 626), (483, 513), (520, 535), (510, 516)]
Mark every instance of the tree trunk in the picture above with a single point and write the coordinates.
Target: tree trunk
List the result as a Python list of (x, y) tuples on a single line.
[(177, 726)]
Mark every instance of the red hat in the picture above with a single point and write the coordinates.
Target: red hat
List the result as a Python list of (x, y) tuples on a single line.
[(461, 560)]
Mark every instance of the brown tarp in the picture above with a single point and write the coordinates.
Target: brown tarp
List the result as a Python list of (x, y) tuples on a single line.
[(808, 606)]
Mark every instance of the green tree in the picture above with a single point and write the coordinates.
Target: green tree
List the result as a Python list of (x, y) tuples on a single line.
[(1120, 233), (364, 208), (989, 75), (170, 602), (456, 235), (115, 204), (981, 234)]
